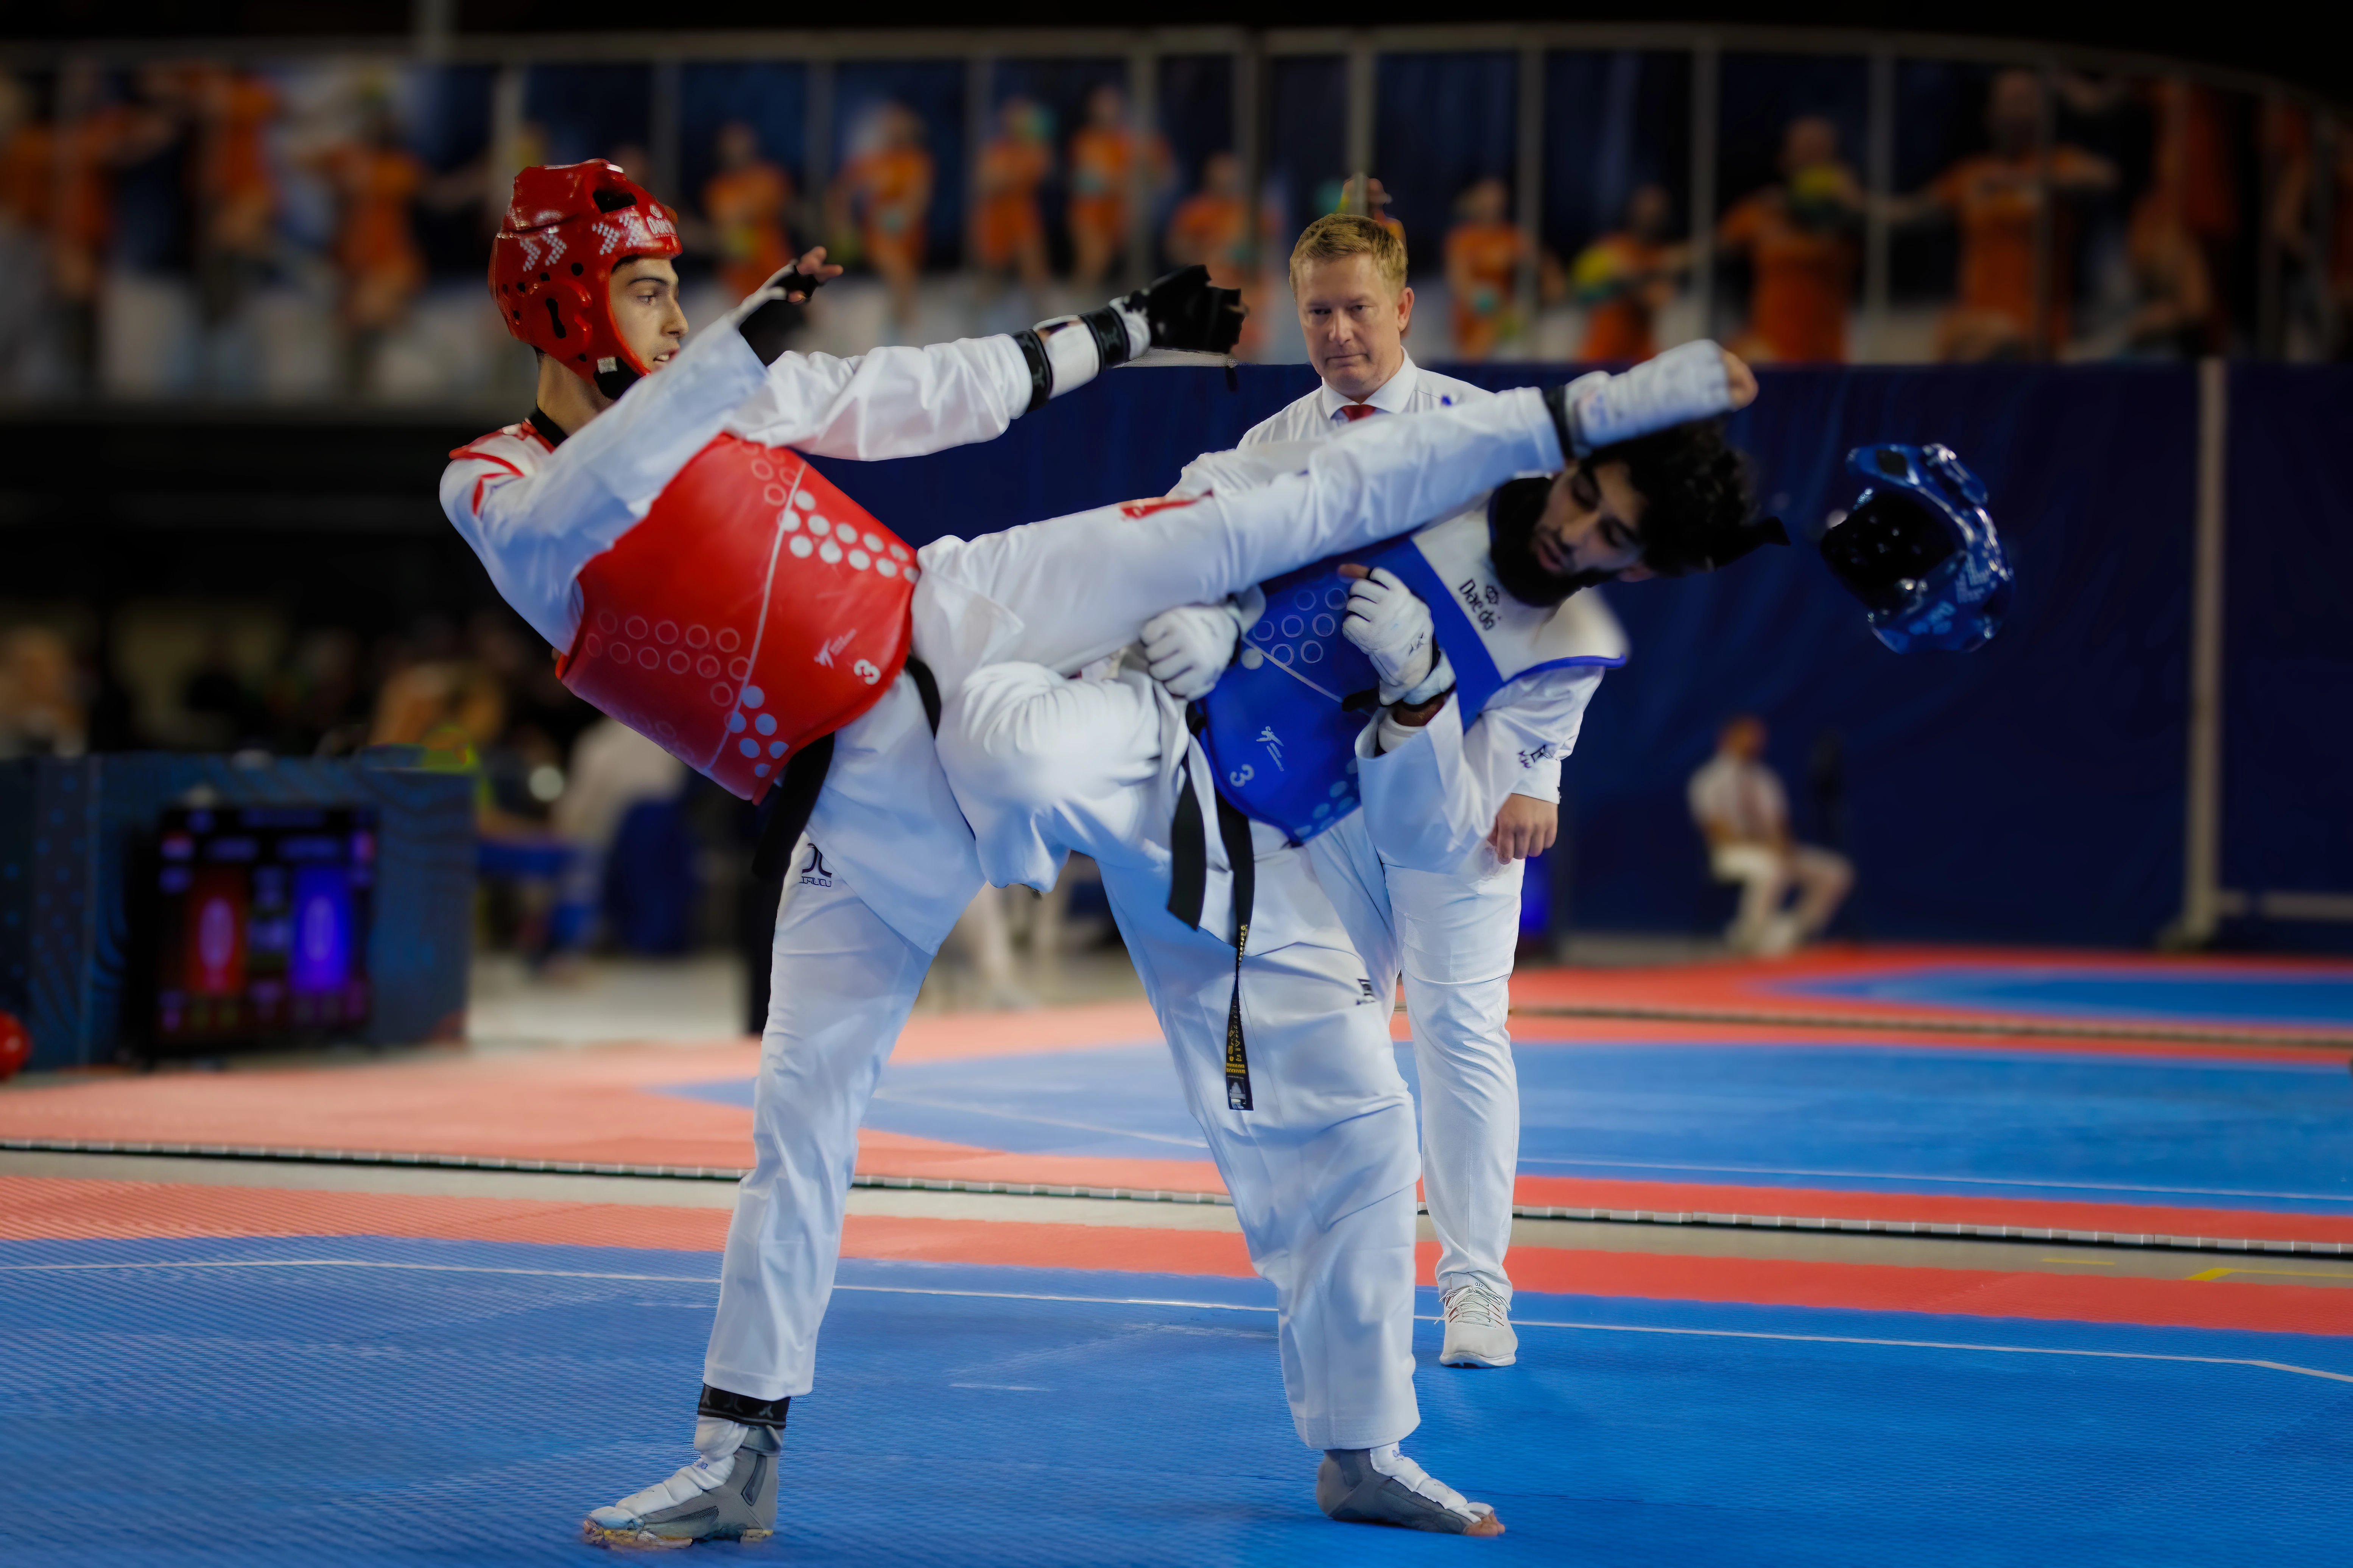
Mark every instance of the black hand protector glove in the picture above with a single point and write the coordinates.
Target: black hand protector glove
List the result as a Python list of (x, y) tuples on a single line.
[(766, 329), (1189, 313)]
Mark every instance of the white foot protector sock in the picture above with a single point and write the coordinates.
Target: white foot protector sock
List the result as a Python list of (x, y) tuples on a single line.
[(1381, 1486), (715, 1442), (1389, 1460)]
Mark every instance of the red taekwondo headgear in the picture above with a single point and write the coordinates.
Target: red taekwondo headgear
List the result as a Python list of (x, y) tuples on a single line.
[(552, 264)]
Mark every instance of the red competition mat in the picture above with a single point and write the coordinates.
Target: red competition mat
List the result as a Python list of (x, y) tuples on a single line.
[(1631, 1120), (1975, 990), (53, 1209)]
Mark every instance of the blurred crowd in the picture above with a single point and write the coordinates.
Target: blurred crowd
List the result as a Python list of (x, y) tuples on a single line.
[(2021, 214), (203, 229)]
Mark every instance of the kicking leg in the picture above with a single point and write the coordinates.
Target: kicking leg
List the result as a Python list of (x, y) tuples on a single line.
[(1067, 591)]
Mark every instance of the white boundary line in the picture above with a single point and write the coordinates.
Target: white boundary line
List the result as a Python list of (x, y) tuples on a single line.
[(1198, 1306)]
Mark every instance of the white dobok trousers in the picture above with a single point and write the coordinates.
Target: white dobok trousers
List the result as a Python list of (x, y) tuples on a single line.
[(1452, 936), (844, 983), (1321, 1166)]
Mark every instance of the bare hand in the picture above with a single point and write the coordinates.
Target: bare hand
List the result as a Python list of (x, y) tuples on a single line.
[(1524, 829), (1737, 378), (812, 265), (1354, 573)]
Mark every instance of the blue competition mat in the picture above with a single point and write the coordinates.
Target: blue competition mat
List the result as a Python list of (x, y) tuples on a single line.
[(362, 1400), (2124, 995), (2216, 1131)]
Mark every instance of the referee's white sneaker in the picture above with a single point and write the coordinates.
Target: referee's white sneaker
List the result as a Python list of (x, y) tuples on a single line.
[(1478, 1329)]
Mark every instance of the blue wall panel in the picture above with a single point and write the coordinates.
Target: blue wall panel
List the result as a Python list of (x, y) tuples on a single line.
[(2287, 701), (2029, 791)]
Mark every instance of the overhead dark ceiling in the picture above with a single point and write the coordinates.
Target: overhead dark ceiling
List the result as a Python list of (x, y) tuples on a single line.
[(2266, 36)]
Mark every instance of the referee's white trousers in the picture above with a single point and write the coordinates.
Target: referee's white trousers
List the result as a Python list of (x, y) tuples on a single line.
[(1321, 1166), (1452, 934)]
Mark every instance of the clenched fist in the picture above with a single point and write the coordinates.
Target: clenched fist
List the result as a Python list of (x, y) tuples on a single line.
[(1390, 623)]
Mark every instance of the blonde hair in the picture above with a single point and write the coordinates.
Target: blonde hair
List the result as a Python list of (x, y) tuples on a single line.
[(1335, 235)]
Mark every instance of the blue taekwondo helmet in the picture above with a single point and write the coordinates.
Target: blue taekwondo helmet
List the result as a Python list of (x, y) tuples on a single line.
[(1920, 551)]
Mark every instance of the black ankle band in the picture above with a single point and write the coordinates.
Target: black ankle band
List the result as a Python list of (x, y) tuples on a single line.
[(742, 1408)]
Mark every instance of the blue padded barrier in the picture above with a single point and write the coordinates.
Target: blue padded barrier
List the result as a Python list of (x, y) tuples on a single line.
[(2287, 639)]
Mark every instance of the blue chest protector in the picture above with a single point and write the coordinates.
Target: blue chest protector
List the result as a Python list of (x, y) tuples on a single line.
[(1282, 721)]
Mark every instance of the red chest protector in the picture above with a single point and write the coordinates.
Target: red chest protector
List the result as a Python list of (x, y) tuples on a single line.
[(755, 608)]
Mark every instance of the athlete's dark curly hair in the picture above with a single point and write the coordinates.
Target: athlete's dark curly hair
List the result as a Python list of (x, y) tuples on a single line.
[(1696, 496)]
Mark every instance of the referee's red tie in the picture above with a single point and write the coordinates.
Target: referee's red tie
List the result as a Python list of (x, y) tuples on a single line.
[(1356, 411)]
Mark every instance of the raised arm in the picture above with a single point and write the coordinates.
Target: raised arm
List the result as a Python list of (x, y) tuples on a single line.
[(889, 401), (903, 402)]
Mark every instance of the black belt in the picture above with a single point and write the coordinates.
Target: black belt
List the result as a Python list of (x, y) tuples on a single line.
[(1188, 890), (788, 805)]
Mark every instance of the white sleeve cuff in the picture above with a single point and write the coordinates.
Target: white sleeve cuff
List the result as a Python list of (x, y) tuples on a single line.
[(1071, 352), (1392, 735)]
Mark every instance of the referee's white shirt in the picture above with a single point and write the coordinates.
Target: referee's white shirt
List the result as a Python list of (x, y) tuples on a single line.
[(1412, 390)]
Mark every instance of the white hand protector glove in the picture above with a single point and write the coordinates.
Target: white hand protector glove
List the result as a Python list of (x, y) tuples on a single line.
[(1388, 621), (1186, 648)]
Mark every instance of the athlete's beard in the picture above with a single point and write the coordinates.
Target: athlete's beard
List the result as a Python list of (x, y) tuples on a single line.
[(1511, 519)]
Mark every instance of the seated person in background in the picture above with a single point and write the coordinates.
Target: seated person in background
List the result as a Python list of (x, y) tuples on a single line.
[(1740, 806)]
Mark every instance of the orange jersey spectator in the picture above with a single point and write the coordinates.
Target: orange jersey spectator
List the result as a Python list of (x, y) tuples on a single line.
[(745, 202), (1212, 225), (1797, 310), (235, 183), (88, 152), (1102, 170), (2193, 153), (28, 177), (1801, 251), (887, 183), (1099, 156), (1617, 279), (1623, 279), (375, 183), (1007, 228), (891, 188), (1995, 199), (1483, 253)]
